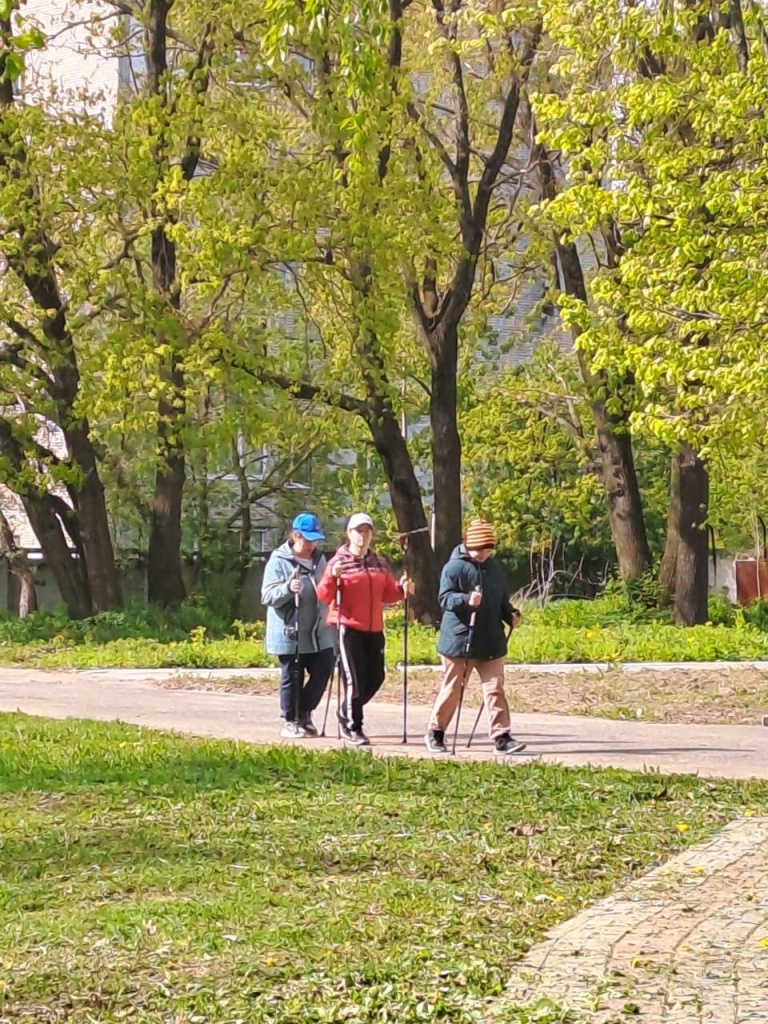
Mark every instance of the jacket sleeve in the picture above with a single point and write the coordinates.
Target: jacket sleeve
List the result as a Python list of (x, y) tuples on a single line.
[(392, 592), (451, 596), (274, 586), (507, 610), (326, 588)]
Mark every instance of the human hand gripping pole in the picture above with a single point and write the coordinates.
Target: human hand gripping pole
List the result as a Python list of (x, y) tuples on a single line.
[(467, 648)]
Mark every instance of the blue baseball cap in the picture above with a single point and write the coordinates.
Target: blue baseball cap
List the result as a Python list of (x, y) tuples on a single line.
[(308, 526)]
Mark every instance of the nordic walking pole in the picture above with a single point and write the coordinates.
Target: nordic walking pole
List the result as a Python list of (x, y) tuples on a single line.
[(482, 704), (405, 647), (467, 647), (338, 659), (403, 539), (337, 665), (296, 663), (405, 666)]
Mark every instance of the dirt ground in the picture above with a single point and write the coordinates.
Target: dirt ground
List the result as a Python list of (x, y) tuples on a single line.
[(732, 696)]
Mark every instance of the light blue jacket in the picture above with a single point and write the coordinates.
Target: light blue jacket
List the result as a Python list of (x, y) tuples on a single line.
[(314, 633)]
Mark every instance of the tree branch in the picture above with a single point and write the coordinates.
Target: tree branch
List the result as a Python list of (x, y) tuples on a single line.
[(11, 355), (265, 489), (498, 157), (199, 75), (307, 391)]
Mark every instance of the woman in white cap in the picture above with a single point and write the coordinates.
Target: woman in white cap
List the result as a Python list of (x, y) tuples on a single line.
[(356, 585)]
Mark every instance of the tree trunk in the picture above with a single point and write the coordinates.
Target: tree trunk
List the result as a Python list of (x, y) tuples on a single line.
[(446, 441), (668, 568), (165, 585), (408, 508), (625, 507), (94, 536), (691, 578), (20, 567), (47, 526), (33, 262), (246, 519)]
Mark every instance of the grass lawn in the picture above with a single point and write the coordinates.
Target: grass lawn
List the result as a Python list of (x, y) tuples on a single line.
[(150, 878)]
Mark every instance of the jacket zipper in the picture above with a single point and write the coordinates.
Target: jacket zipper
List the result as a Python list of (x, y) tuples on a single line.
[(370, 598)]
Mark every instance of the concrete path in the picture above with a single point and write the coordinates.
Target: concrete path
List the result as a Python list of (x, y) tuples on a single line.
[(686, 944), (715, 751)]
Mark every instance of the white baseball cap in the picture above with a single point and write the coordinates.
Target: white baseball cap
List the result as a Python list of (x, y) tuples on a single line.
[(359, 519)]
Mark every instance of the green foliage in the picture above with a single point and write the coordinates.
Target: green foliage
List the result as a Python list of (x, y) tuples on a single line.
[(146, 624), (155, 870), (613, 629), (530, 460), (662, 131), (295, 258)]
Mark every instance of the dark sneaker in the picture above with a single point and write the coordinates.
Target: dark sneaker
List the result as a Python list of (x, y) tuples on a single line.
[(435, 741), (308, 725), (357, 738), (506, 744), (346, 732), (292, 731)]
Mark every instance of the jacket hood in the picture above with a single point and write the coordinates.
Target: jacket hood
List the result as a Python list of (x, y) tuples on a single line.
[(460, 553)]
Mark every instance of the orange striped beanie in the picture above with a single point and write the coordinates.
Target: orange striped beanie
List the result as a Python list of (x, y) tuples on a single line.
[(479, 534)]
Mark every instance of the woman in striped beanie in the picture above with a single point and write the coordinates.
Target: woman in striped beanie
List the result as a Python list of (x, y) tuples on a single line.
[(472, 580)]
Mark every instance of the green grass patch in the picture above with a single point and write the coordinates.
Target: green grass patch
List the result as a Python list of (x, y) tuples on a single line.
[(607, 630), (151, 878)]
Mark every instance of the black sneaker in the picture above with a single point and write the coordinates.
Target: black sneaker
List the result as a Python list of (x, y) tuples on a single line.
[(306, 723), (505, 744), (435, 741), (357, 738)]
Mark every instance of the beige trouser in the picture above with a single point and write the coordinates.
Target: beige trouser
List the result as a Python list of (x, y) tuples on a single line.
[(491, 676)]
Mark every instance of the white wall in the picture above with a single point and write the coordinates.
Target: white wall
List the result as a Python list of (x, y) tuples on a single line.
[(722, 581), (77, 71)]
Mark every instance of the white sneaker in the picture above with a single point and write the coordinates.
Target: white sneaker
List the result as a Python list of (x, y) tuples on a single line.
[(292, 731)]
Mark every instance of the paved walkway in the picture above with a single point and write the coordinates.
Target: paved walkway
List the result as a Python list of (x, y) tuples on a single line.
[(687, 943), (715, 751)]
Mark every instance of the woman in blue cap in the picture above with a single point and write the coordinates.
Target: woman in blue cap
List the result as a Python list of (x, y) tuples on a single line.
[(297, 633)]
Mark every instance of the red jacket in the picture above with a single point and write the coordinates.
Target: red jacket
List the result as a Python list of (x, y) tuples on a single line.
[(366, 586)]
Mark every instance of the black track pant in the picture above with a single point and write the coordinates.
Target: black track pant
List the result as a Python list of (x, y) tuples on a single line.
[(362, 665)]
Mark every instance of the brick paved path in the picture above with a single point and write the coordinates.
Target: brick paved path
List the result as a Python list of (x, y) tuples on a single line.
[(687, 943)]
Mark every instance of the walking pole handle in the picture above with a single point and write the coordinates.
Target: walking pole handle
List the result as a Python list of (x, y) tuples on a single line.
[(472, 620)]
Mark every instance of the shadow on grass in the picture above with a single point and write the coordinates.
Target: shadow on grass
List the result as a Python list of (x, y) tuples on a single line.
[(60, 756)]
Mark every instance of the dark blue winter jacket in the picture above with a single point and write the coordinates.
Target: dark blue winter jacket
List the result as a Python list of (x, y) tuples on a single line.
[(459, 578)]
